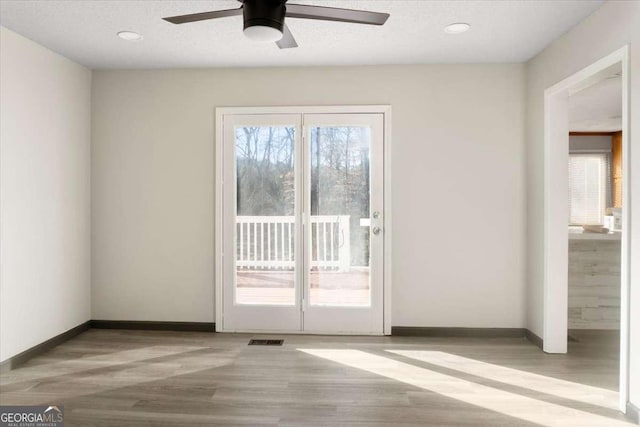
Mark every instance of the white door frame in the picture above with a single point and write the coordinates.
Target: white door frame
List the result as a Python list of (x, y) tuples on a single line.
[(556, 256), (220, 112)]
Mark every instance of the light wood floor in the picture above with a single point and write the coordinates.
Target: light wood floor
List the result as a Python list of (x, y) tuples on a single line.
[(136, 378)]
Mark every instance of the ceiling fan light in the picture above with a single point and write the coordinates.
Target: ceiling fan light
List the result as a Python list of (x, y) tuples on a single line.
[(262, 33)]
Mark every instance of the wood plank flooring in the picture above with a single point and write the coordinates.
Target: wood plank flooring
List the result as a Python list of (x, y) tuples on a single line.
[(149, 378)]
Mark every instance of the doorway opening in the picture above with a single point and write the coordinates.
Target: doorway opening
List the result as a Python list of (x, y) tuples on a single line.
[(586, 289), (302, 220)]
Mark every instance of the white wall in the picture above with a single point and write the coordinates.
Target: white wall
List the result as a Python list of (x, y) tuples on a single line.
[(45, 135), (615, 24), (458, 183)]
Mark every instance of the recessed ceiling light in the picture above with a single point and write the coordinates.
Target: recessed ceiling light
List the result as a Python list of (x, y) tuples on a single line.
[(457, 28), (129, 36)]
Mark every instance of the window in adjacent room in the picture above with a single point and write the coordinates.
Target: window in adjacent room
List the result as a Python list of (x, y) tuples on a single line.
[(589, 184)]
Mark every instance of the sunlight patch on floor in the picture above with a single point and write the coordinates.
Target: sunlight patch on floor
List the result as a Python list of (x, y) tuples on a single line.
[(544, 384), (490, 398), (56, 369), (116, 376)]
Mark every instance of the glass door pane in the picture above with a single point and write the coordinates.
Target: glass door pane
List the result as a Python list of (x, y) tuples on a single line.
[(343, 239), (265, 215), (340, 194)]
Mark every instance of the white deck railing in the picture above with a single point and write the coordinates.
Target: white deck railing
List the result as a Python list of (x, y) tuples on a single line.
[(267, 242)]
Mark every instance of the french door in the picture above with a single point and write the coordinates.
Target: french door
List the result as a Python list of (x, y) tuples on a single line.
[(302, 227)]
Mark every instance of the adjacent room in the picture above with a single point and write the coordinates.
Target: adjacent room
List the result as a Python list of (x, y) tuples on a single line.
[(595, 218), (319, 212)]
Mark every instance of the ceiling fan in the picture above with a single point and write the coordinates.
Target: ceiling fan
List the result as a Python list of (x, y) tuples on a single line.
[(264, 19)]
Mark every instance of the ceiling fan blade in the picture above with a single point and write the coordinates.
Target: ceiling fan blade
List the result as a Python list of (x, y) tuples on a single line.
[(183, 19), (336, 14), (287, 41)]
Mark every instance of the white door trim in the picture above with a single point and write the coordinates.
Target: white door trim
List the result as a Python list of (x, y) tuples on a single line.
[(556, 148), (220, 112)]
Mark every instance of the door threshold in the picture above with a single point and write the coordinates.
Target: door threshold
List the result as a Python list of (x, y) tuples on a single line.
[(277, 332)]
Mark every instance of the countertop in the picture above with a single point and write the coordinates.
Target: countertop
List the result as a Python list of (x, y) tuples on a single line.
[(578, 233)]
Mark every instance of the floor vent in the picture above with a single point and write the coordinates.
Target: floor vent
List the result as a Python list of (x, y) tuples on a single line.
[(266, 342)]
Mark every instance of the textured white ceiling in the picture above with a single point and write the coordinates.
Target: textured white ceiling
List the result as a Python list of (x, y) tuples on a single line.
[(597, 108), (85, 31)]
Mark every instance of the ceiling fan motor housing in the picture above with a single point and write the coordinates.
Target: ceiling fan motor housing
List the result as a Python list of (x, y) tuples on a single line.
[(267, 13)]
